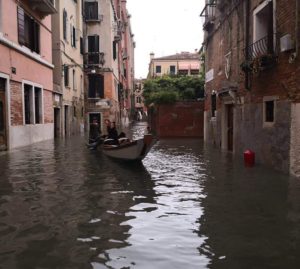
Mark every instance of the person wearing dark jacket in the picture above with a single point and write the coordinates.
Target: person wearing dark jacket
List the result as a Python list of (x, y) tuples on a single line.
[(112, 132)]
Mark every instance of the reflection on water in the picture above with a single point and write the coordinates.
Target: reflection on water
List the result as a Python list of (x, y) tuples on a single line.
[(185, 206)]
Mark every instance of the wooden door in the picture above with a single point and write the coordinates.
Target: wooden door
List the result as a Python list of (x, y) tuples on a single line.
[(230, 127), (3, 138)]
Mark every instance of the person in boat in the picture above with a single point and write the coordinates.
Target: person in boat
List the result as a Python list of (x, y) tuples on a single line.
[(95, 133), (112, 133)]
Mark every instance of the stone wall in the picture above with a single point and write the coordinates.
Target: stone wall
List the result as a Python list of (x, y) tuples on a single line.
[(271, 144), (182, 119), (295, 140)]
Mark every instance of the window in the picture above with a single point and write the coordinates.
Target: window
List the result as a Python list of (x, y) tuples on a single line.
[(93, 49), (28, 104), (81, 84), (96, 86), (81, 45), (65, 18), (269, 111), (91, 10), (138, 100), (263, 24), (213, 104), (158, 69), (172, 69), (66, 75), (183, 72), (73, 36), (74, 81), (33, 112), (38, 105), (74, 112), (28, 31), (93, 43), (114, 50)]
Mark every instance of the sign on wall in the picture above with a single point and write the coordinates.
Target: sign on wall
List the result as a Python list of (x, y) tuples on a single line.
[(209, 75)]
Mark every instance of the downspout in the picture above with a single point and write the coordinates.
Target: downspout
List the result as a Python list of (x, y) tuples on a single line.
[(247, 39)]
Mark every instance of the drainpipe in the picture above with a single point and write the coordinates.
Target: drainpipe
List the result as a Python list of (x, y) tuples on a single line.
[(247, 38)]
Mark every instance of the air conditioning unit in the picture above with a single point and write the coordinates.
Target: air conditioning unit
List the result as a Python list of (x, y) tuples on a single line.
[(286, 43)]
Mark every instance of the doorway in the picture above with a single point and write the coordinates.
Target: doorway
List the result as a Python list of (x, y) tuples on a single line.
[(66, 121), (57, 122), (3, 124), (93, 116), (230, 127)]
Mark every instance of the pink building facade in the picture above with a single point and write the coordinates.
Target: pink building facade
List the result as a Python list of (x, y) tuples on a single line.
[(26, 72)]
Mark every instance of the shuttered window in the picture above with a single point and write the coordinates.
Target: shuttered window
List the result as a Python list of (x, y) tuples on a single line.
[(91, 10), (114, 50), (65, 16), (73, 36), (81, 45), (93, 43), (66, 75), (93, 49), (28, 31), (96, 86)]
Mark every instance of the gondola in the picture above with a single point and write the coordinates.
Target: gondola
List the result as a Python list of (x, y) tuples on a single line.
[(128, 150)]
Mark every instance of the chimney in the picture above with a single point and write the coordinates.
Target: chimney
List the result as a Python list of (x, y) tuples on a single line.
[(152, 56)]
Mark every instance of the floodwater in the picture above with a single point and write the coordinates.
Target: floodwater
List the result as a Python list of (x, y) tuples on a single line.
[(185, 207)]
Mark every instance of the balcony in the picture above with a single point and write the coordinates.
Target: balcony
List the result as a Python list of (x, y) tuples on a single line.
[(260, 55), (261, 47), (46, 7), (93, 17), (209, 14), (94, 59)]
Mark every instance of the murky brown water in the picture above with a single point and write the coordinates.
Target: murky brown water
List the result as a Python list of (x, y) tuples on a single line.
[(63, 206)]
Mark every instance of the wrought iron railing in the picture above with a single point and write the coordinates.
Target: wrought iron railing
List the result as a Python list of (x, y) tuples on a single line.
[(94, 58), (263, 46), (260, 55), (208, 13), (93, 17)]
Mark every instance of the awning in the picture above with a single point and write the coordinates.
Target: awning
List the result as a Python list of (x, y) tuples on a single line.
[(183, 66), (195, 66)]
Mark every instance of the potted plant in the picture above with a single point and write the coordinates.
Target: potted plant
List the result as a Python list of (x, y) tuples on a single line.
[(246, 66)]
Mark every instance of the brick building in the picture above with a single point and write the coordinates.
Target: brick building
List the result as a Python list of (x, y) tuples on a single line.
[(252, 79), (26, 72)]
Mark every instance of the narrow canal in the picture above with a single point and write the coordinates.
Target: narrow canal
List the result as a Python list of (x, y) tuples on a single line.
[(185, 207)]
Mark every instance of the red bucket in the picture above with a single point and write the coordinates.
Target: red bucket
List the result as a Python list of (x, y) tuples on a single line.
[(249, 158)]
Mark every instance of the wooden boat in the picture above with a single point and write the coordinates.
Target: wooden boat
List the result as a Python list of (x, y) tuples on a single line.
[(127, 150)]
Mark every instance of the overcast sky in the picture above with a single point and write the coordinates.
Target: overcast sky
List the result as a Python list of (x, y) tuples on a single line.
[(164, 27)]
